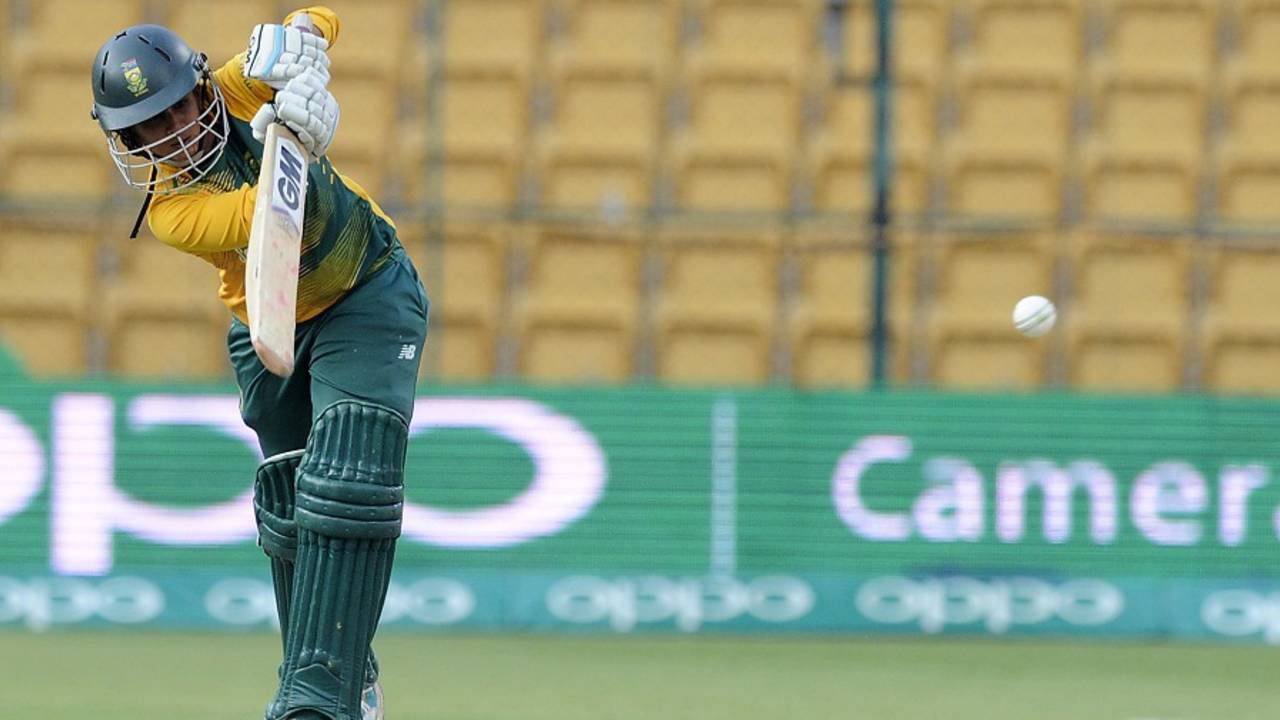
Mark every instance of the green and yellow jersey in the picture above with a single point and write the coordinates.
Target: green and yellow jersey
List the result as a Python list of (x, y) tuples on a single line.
[(346, 237)]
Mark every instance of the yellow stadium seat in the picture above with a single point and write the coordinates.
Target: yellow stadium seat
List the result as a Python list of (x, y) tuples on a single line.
[(637, 35), (598, 151), (1253, 112), (986, 359), (1151, 116), (51, 173), (1041, 37), (578, 315), (162, 315), (979, 277), (67, 33), (51, 107), (830, 317), (840, 153), (1130, 312), (921, 44), (717, 309), (47, 267), (1143, 160), (844, 182), (375, 36), (225, 33), (1248, 160), (46, 344), (1248, 186), (1007, 156), (738, 149), (849, 117), (481, 131), (1163, 37), (369, 107), (494, 35), (1258, 33), (766, 36), (47, 279), (1014, 114), (465, 274), (1241, 328)]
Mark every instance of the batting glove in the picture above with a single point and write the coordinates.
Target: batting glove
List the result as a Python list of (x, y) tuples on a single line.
[(306, 107), (278, 54)]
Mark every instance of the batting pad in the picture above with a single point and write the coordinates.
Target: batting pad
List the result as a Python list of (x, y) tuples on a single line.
[(273, 502), (349, 503)]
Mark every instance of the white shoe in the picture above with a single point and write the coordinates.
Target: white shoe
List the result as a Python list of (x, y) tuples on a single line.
[(371, 702)]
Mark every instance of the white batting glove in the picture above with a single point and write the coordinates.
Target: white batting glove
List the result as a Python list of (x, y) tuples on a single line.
[(278, 54), (306, 107)]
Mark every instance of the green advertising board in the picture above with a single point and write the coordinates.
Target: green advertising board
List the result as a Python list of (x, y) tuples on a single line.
[(637, 509)]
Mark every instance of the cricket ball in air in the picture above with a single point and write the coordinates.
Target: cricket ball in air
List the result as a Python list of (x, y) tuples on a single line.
[(1034, 315)]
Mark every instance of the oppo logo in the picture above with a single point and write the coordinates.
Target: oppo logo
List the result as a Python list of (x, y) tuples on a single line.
[(1242, 613), (88, 507), (429, 601), (999, 605), (690, 603), (41, 603)]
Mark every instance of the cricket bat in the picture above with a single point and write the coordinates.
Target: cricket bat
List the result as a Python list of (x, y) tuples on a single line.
[(275, 243)]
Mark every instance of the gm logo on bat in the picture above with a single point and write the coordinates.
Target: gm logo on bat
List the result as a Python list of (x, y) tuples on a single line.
[(290, 181)]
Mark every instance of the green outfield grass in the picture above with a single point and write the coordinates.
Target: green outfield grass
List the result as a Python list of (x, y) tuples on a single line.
[(146, 676)]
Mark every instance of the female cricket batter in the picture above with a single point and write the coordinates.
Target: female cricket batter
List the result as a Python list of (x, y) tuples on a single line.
[(328, 497)]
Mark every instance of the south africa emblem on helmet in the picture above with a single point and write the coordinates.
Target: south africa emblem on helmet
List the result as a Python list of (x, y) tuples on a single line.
[(133, 76)]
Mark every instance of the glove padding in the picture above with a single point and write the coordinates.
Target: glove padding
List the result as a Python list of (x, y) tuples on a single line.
[(306, 107), (278, 54)]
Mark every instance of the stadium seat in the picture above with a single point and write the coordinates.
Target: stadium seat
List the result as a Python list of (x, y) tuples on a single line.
[(465, 273), (1144, 157), (162, 314), (65, 34), (1168, 38), (628, 35), (375, 36), (1247, 162), (978, 277), (48, 174), (1257, 30), (481, 130), (922, 30), (225, 33), (844, 181), (47, 281), (501, 36), (768, 37), (598, 150), (830, 315), (41, 114), (1008, 152), (717, 308), (1241, 328), (578, 313), (1129, 313), (370, 104), (737, 151), (1036, 37)]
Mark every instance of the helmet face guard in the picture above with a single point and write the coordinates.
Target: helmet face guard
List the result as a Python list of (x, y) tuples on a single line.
[(157, 167), (139, 74)]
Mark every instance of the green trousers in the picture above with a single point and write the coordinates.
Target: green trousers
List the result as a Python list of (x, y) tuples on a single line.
[(366, 347)]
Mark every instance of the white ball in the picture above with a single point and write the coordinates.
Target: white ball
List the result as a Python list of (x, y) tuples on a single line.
[(1034, 315)]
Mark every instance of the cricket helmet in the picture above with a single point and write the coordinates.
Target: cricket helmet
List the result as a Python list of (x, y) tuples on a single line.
[(138, 74)]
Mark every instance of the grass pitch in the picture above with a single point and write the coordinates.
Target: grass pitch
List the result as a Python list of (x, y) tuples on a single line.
[(164, 676)]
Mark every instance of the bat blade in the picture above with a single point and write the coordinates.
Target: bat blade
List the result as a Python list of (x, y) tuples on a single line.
[(275, 243)]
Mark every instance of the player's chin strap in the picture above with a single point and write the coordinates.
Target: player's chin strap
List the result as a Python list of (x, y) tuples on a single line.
[(142, 212)]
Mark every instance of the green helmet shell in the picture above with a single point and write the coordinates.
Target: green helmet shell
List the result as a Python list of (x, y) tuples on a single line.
[(139, 73)]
